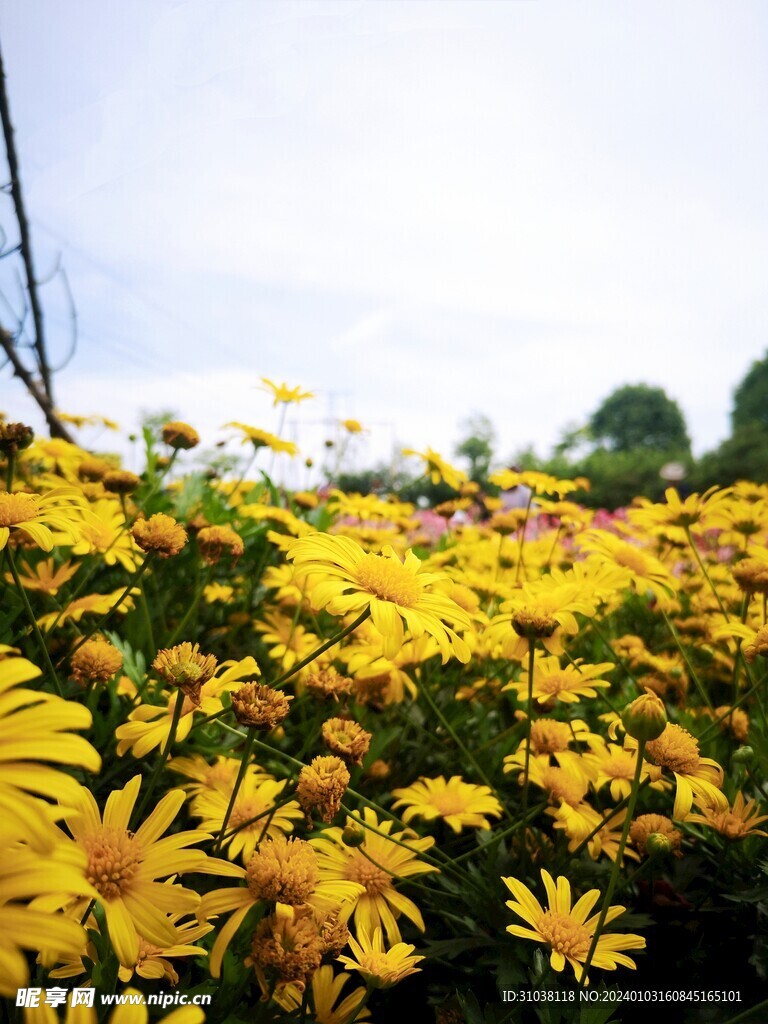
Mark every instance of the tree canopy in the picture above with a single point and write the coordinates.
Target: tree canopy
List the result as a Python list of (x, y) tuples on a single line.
[(640, 416), (750, 399)]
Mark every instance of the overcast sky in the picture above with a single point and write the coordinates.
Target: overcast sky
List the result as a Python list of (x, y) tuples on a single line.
[(417, 210)]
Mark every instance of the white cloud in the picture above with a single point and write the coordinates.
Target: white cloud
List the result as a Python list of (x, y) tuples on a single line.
[(419, 209)]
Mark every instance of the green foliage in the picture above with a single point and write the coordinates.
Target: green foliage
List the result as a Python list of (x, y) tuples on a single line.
[(743, 456), (619, 476), (639, 416), (750, 399), (478, 439)]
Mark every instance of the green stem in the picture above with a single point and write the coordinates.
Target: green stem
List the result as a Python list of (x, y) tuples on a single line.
[(33, 622), (250, 736), (164, 755), (323, 648), (110, 611), (616, 869), (238, 483), (10, 469), (424, 688), (747, 1014), (159, 477), (688, 665), (703, 568), (528, 724), (521, 536), (737, 659), (204, 577), (147, 620)]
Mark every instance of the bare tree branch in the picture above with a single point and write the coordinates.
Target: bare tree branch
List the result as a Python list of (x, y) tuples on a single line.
[(45, 391), (38, 394)]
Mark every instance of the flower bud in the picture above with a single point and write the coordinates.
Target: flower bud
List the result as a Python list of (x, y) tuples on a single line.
[(658, 845), (744, 755), (353, 835), (645, 718)]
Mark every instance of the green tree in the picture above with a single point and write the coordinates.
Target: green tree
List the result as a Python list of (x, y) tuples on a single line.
[(743, 456), (750, 399), (639, 416), (476, 445)]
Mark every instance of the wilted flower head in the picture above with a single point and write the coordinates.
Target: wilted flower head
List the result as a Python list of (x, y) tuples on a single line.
[(283, 871), (120, 481), (180, 435), (214, 541), (95, 661), (15, 437), (327, 683), (184, 666), (321, 787), (161, 534), (347, 739), (260, 706)]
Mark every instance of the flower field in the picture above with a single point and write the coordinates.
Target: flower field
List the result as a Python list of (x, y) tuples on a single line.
[(323, 757)]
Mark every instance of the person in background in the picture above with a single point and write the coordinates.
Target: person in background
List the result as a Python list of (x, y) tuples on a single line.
[(517, 496)]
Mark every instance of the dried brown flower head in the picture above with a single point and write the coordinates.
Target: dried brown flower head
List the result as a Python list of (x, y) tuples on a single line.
[(120, 481), (347, 739), (326, 683), (180, 436), (15, 437), (260, 706), (95, 661), (184, 666), (214, 541), (161, 534), (283, 871), (321, 787)]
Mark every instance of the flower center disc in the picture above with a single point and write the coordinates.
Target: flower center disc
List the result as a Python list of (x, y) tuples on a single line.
[(114, 857), (387, 579), (367, 874), (565, 935), (17, 508)]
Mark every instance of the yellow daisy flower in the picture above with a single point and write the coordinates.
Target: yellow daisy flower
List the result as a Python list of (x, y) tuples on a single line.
[(55, 517), (347, 581), (437, 469), (326, 990), (457, 802), (542, 610), (698, 778), (123, 866), (90, 604), (568, 931), (256, 798), (149, 726), (282, 393), (35, 726), (45, 577), (36, 862), (380, 967), (647, 572), (735, 822), (263, 439), (553, 682), (105, 533), (375, 864)]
